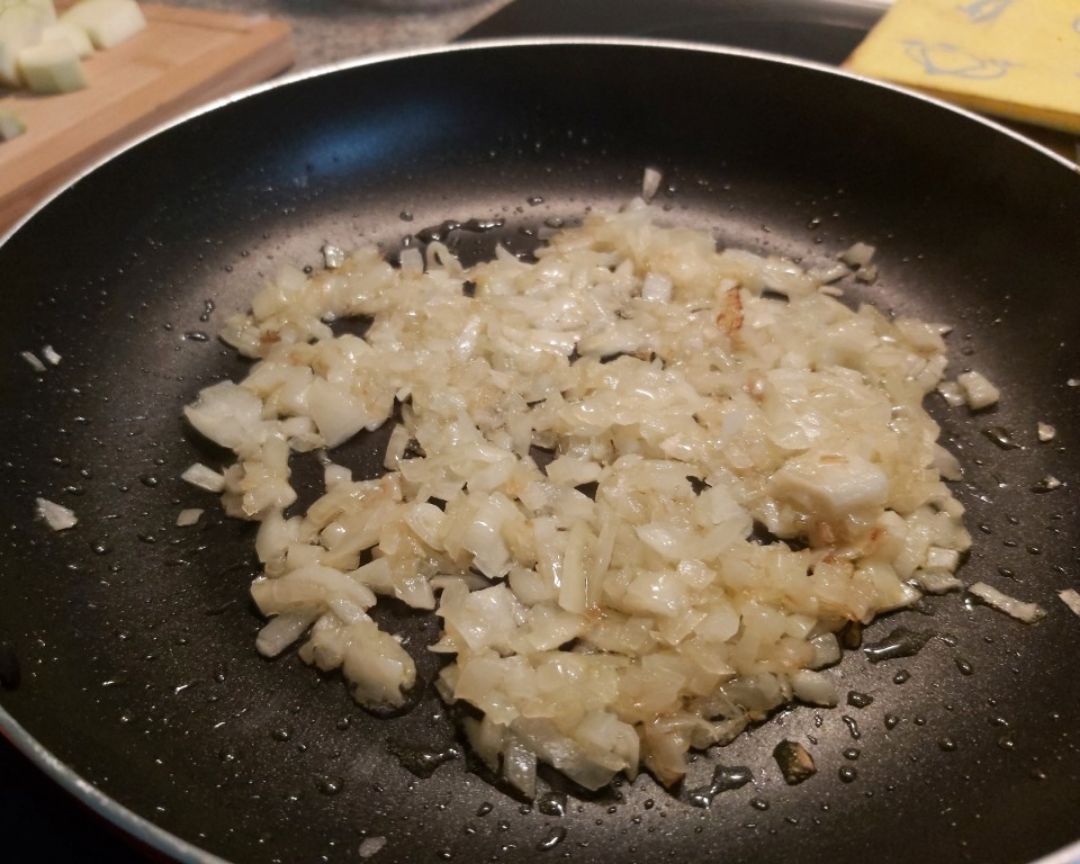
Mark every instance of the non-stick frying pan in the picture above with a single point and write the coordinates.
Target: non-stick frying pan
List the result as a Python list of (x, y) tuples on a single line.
[(134, 638)]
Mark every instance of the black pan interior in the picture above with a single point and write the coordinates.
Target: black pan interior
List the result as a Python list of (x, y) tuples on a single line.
[(135, 638)]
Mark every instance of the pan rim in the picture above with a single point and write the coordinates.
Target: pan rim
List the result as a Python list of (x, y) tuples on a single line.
[(139, 827), (534, 41)]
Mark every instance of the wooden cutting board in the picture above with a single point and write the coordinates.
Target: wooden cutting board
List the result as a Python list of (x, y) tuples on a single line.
[(184, 58)]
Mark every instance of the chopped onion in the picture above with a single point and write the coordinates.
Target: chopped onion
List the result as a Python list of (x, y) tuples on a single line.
[(282, 631), (826, 651), (1029, 613), (607, 607), (828, 274), (49, 353), (11, 125), (858, 254), (657, 288), (867, 274), (56, 516), (228, 415), (952, 393), (333, 257), (519, 767), (1046, 432), (371, 845), (947, 465), (188, 517), (650, 183), (1070, 598), (978, 391), (814, 688), (206, 478), (412, 262), (937, 581), (32, 359), (938, 558), (1048, 484)]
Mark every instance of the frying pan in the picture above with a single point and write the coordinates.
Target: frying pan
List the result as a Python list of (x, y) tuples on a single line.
[(139, 688)]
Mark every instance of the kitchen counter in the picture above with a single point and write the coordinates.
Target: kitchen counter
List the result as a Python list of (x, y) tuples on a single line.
[(328, 31)]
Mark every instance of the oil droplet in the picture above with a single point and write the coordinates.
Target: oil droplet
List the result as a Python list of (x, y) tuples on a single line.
[(901, 677), (100, 548), (281, 734), (724, 779), (859, 700), (553, 839), (847, 774), (759, 803), (196, 336), (149, 480), (901, 642), (1007, 742), (405, 216), (851, 753), (485, 808), (964, 666), (852, 725), (919, 721), (891, 721), (329, 786), (1002, 437), (947, 744), (552, 804), (424, 763)]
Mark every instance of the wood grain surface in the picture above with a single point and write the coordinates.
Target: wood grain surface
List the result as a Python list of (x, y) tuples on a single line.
[(184, 58)]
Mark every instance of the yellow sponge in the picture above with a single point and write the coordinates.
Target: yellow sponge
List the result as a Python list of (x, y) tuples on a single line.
[(1015, 58)]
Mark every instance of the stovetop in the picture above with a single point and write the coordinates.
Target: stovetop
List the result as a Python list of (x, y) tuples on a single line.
[(823, 30)]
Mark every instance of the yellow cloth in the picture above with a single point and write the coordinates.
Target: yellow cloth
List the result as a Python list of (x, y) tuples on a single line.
[(1016, 58)]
